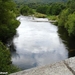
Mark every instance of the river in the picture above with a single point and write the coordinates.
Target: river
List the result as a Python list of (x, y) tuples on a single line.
[(37, 43)]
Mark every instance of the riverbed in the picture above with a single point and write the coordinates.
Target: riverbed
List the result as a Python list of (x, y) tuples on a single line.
[(37, 43)]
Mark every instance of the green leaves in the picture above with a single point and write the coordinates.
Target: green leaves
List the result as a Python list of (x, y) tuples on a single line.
[(5, 60), (8, 25), (8, 22), (42, 9), (70, 24), (25, 10), (67, 18), (63, 17)]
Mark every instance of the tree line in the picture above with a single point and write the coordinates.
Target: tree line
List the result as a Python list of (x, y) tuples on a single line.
[(8, 25), (64, 11), (67, 18), (47, 9)]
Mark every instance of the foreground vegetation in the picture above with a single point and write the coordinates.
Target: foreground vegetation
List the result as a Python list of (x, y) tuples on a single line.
[(67, 18), (8, 25), (5, 60)]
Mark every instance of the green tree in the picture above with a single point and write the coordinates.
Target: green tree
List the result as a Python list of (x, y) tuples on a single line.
[(42, 9), (67, 18), (8, 22), (70, 24), (25, 10), (5, 60), (55, 8), (63, 17)]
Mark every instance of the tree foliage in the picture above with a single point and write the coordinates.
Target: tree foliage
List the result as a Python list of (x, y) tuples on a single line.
[(67, 17), (5, 60), (70, 24), (25, 10), (50, 9), (55, 8), (8, 25), (8, 22), (42, 9)]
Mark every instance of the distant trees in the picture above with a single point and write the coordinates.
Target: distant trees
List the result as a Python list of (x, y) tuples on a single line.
[(67, 18), (52, 9), (55, 8), (42, 9), (25, 10)]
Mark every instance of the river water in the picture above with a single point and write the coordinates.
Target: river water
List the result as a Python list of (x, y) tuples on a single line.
[(37, 43)]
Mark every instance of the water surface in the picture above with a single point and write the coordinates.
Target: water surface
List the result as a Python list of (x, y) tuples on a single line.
[(37, 43)]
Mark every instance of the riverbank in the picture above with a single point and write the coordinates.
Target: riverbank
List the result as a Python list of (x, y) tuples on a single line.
[(52, 18)]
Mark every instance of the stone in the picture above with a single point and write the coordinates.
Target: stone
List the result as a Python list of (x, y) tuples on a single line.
[(53, 69), (70, 63)]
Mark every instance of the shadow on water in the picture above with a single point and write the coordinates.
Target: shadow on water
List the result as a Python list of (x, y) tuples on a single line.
[(69, 41)]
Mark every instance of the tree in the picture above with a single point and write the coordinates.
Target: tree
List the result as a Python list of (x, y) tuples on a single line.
[(67, 18), (70, 24), (25, 10), (5, 60), (63, 17), (8, 22), (42, 9), (55, 8)]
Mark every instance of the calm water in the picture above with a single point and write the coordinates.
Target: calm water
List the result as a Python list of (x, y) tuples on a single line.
[(37, 43)]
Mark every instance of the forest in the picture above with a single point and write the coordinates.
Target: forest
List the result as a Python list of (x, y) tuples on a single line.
[(8, 25), (63, 12)]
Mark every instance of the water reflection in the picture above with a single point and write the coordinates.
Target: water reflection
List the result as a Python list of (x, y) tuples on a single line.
[(37, 44), (69, 41)]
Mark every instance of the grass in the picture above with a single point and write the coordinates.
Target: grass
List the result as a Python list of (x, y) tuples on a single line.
[(52, 17), (39, 15)]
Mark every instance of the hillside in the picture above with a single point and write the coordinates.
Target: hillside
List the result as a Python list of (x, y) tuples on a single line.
[(39, 1)]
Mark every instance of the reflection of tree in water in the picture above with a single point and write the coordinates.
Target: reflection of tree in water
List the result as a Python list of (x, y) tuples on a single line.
[(13, 51), (12, 47), (69, 41), (15, 55), (10, 43)]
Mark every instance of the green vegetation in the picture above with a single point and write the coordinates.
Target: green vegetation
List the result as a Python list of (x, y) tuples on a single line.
[(25, 10), (39, 15), (52, 17), (42, 9), (8, 22), (5, 60), (67, 18), (8, 25), (56, 8), (52, 9)]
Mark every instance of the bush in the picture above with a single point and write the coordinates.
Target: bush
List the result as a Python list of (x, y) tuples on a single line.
[(5, 60), (70, 24), (25, 10)]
